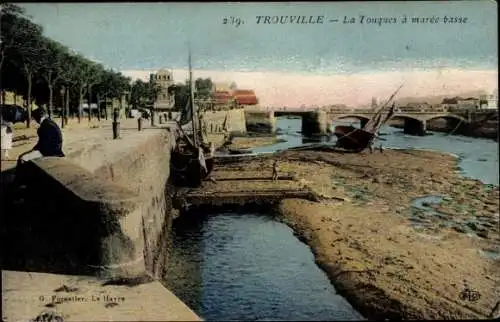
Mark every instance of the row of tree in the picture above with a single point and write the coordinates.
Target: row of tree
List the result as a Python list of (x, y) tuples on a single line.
[(51, 74)]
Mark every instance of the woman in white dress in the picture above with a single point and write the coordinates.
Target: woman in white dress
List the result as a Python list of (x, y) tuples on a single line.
[(6, 136)]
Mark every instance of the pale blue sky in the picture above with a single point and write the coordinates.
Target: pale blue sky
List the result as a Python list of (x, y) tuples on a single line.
[(128, 36)]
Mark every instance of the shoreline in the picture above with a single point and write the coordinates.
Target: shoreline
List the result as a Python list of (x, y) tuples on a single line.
[(251, 141), (369, 246), (481, 133)]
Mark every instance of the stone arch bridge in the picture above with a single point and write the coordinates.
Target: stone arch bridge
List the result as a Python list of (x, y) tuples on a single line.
[(319, 121), (414, 122)]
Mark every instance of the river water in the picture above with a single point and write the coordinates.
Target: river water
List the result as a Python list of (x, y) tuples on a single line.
[(247, 266), (478, 158)]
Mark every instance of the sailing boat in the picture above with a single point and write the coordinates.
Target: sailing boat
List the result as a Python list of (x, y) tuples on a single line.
[(193, 157), (356, 140)]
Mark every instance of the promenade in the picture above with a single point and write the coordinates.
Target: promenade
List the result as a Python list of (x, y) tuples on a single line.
[(132, 160), (84, 136)]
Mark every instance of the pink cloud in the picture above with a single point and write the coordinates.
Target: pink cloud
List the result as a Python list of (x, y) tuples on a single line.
[(294, 89)]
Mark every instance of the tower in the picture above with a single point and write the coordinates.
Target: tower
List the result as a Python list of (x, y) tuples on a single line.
[(374, 103), (164, 78)]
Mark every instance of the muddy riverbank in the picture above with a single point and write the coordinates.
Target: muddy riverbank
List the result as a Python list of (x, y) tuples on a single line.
[(251, 140), (370, 246)]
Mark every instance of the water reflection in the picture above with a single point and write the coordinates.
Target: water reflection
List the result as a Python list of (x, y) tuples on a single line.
[(249, 267)]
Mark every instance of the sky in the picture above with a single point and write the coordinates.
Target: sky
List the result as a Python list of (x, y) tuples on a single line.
[(290, 64)]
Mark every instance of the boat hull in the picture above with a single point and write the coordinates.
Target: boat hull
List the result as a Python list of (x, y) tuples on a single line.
[(186, 169), (351, 138)]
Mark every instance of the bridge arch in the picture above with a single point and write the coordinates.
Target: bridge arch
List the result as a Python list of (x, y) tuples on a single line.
[(353, 116), (406, 117), (412, 124), (447, 116)]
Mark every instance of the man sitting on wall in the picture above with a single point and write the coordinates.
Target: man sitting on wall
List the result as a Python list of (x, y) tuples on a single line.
[(49, 140)]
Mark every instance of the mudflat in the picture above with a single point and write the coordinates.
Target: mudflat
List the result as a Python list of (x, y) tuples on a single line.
[(251, 142), (388, 258)]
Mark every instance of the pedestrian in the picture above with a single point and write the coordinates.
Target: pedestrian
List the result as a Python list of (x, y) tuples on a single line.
[(381, 148), (370, 146), (6, 137), (49, 139), (275, 170)]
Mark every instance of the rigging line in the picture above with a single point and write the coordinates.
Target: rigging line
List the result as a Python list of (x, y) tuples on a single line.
[(456, 127)]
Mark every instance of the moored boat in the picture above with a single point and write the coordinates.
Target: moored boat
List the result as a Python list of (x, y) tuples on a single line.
[(192, 158), (358, 139)]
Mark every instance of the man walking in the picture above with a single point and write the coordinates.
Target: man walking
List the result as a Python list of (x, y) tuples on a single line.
[(275, 170)]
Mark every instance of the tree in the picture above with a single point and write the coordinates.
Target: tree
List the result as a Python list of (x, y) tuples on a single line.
[(69, 78), (92, 74), (181, 92), (138, 93), (9, 17), (203, 87), (21, 43), (27, 41), (152, 91), (104, 89), (51, 70)]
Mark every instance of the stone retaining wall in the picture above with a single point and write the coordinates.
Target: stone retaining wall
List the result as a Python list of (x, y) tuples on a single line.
[(260, 121), (214, 121), (104, 210)]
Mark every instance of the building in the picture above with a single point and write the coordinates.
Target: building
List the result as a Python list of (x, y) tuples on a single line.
[(470, 103), (490, 102), (223, 87), (164, 100), (245, 97), (222, 97), (229, 94)]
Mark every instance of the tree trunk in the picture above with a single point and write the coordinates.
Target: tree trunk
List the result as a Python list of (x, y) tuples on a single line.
[(51, 98), (67, 105), (80, 102), (89, 99), (121, 103), (106, 107), (63, 109), (30, 81), (98, 107)]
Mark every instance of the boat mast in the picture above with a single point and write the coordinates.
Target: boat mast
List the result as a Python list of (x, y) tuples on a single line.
[(191, 100)]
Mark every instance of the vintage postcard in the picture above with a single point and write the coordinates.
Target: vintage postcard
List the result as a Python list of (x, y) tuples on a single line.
[(189, 161)]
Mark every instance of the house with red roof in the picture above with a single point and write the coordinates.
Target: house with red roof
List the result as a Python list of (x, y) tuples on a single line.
[(245, 97)]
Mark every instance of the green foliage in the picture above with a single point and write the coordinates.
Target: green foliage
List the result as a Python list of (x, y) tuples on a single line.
[(143, 94), (203, 88), (38, 67)]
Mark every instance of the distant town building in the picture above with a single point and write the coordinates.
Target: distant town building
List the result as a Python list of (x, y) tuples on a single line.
[(223, 87), (245, 97), (164, 100), (229, 94), (416, 107), (490, 102), (468, 103), (458, 103), (222, 97)]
